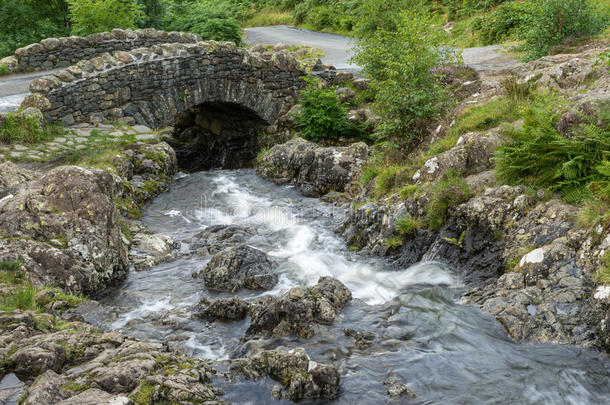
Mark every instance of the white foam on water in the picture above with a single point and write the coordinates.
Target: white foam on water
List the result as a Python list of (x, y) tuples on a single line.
[(204, 351), (148, 307)]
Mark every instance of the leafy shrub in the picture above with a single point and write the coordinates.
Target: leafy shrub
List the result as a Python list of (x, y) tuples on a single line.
[(554, 20), (24, 22), (450, 191), (506, 22), (90, 16), (322, 116), (213, 21), (540, 156), (399, 62)]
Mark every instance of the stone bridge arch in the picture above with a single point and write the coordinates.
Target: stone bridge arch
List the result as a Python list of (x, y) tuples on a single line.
[(181, 85)]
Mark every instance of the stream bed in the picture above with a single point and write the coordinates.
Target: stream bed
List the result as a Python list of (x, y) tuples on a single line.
[(420, 336)]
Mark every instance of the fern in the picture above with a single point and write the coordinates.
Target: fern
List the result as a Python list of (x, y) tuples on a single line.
[(539, 155)]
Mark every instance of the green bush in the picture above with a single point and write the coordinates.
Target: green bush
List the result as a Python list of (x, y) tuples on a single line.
[(322, 116), (24, 22), (554, 20), (508, 21), (211, 20), (407, 225), (539, 155), (91, 16), (399, 62)]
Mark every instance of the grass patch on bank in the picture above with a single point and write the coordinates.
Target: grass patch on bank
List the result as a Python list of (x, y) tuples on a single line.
[(603, 273), (27, 130), (269, 16)]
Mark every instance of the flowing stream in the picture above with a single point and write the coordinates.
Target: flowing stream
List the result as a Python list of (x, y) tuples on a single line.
[(444, 351)]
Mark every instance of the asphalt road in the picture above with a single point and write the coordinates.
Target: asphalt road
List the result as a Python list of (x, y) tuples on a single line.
[(337, 48)]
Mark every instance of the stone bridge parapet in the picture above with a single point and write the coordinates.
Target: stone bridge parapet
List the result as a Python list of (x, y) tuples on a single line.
[(152, 85), (53, 53)]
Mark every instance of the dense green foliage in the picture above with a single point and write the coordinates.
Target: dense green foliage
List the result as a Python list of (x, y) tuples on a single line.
[(554, 20), (578, 166), (26, 21), (90, 16), (211, 20), (322, 116), (400, 60)]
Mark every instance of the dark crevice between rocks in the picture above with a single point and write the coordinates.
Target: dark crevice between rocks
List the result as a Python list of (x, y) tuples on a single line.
[(216, 136)]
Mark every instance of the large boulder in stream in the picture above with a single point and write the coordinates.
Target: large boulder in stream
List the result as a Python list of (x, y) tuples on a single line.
[(218, 237), (314, 170), (240, 267), (299, 309), (301, 378), (65, 230)]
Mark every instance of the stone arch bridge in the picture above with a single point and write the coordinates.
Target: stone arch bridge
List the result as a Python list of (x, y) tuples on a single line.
[(217, 96)]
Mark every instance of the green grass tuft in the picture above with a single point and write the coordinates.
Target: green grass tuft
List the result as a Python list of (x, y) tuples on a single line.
[(450, 191)]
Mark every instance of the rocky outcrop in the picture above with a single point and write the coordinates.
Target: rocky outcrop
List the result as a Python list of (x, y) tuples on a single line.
[(300, 377), (313, 169), (79, 364), (65, 230), (62, 52), (240, 267), (224, 309), (524, 258), (472, 153), (299, 310)]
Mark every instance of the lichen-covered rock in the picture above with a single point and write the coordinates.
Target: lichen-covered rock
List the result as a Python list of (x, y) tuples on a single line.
[(218, 237), (229, 309), (240, 267), (313, 169), (299, 310), (65, 229), (12, 175), (472, 153), (80, 364), (300, 377)]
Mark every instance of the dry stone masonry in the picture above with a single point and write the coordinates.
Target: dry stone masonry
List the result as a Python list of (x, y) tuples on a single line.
[(53, 53), (152, 85)]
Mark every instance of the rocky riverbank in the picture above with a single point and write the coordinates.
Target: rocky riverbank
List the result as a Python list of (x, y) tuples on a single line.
[(522, 254)]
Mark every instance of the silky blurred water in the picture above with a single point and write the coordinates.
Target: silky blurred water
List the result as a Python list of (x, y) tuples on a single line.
[(445, 352)]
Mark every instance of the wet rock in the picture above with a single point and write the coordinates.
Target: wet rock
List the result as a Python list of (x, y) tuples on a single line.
[(300, 377), (218, 237), (299, 309), (65, 229), (314, 170), (395, 389), (362, 338), (150, 249), (233, 308), (240, 267)]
